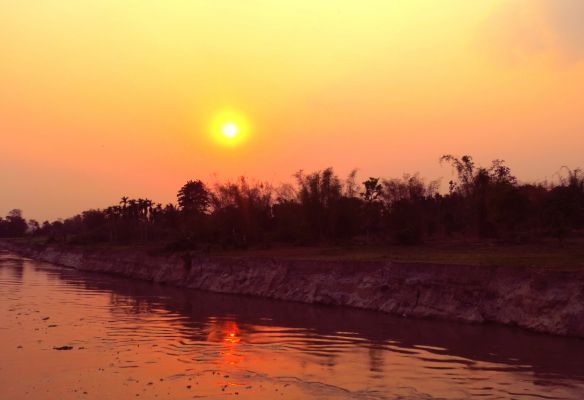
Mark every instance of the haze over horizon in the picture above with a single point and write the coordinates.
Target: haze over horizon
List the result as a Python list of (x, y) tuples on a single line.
[(112, 98)]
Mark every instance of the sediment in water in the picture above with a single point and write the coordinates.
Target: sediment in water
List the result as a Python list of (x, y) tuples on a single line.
[(539, 299)]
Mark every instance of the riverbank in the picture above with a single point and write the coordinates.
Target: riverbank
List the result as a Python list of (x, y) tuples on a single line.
[(535, 298)]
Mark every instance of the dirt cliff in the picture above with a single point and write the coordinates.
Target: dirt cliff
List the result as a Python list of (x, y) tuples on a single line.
[(537, 299)]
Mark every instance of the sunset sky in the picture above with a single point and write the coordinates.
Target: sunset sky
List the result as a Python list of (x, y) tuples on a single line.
[(116, 97)]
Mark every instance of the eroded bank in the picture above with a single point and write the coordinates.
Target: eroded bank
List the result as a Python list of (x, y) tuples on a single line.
[(538, 299)]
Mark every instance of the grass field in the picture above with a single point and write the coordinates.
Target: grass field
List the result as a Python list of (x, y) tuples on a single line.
[(551, 254), (569, 255)]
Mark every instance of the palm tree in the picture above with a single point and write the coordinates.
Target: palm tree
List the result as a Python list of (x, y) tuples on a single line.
[(124, 202)]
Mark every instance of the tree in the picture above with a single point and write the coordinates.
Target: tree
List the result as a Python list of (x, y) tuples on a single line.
[(372, 208), (318, 195), (500, 173), (408, 209), (124, 202), (194, 197), (33, 226), (372, 190), (465, 169), (14, 225), (485, 191), (242, 212)]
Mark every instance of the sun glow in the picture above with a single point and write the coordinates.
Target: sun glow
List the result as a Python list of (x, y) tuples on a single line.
[(230, 130), (229, 127)]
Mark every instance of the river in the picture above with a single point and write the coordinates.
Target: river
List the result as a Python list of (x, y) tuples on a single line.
[(66, 334)]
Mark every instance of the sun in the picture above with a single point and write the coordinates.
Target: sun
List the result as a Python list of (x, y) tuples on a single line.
[(229, 127), (229, 130)]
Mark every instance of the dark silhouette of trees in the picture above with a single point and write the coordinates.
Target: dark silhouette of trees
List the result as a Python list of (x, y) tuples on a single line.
[(564, 208), (409, 207), (193, 198), (491, 196), (13, 225), (482, 203), (372, 209), (242, 213), (372, 190), (33, 226), (319, 194)]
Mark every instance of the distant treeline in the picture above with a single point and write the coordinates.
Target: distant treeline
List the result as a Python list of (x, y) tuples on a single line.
[(481, 203)]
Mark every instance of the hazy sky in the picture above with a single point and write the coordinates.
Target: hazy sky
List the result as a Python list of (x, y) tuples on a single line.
[(100, 99)]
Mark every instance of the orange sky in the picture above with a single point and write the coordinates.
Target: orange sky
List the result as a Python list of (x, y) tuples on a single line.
[(115, 97)]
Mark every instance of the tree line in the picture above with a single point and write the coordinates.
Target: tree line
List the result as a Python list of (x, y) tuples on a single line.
[(320, 207)]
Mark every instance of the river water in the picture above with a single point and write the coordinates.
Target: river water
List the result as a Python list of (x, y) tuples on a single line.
[(130, 339)]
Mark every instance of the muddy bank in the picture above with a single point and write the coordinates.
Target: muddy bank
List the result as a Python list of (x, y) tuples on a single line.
[(537, 299)]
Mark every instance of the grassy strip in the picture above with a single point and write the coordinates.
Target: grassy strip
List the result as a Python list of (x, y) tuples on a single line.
[(548, 254)]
